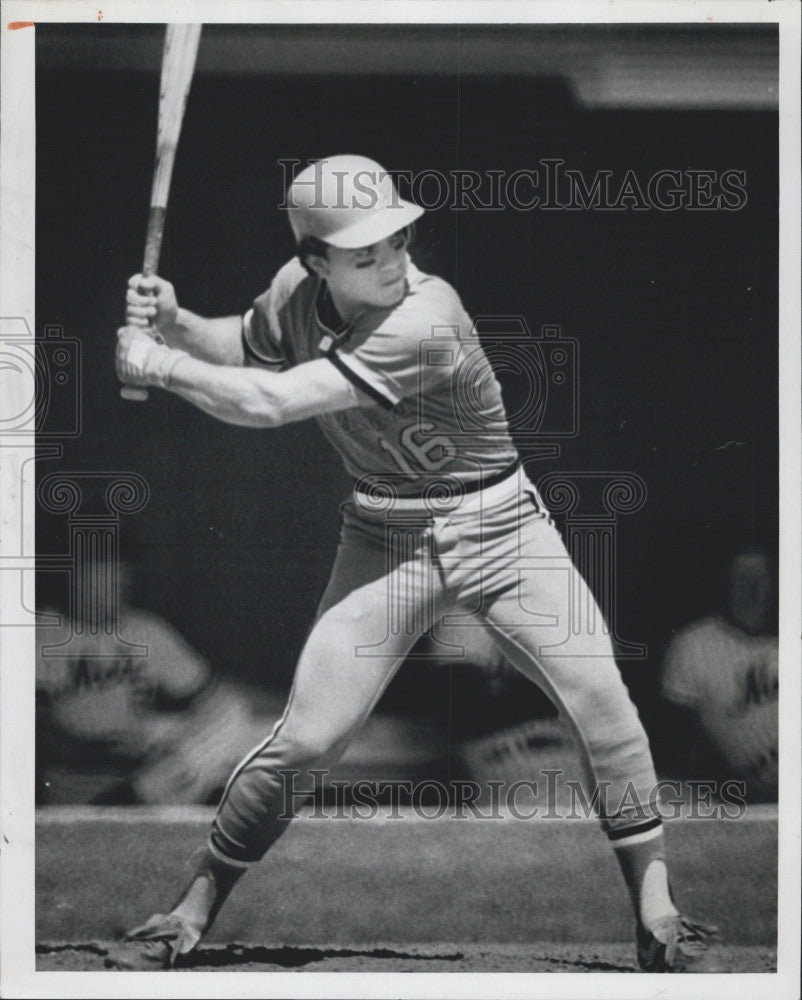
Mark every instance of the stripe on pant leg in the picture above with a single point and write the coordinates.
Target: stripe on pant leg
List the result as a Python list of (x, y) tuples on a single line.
[(260, 747), (624, 836), (225, 858), (253, 754)]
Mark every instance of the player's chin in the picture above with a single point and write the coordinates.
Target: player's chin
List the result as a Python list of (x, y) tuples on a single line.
[(392, 293)]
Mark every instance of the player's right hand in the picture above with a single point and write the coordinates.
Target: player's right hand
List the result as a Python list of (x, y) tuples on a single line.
[(151, 302)]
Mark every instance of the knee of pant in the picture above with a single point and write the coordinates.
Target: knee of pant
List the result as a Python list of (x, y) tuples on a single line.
[(342, 618)]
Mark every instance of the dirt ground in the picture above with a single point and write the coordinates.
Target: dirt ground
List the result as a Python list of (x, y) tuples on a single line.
[(473, 957)]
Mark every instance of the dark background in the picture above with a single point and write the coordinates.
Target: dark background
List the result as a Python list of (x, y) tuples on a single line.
[(675, 315)]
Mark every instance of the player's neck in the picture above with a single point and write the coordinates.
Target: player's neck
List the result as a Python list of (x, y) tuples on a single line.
[(341, 310)]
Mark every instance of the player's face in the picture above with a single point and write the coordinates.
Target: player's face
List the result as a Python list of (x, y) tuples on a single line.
[(371, 276)]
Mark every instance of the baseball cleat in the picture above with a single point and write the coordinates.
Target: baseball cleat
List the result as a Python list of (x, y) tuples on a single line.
[(153, 946), (677, 945)]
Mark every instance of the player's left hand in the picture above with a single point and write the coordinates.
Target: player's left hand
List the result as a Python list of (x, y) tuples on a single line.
[(143, 361)]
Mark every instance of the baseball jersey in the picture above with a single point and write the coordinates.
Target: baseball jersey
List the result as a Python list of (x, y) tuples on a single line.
[(433, 404), (161, 722), (712, 664), (102, 712), (731, 680), (101, 697)]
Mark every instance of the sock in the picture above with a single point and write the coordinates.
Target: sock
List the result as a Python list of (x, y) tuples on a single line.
[(644, 868), (211, 882)]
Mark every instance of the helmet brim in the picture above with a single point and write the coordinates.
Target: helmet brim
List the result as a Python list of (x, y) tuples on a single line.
[(376, 227)]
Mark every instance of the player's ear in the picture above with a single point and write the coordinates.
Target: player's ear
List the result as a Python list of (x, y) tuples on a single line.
[(318, 263)]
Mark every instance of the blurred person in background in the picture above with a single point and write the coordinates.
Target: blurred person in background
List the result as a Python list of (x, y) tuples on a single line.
[(721, 677), (117, 727)]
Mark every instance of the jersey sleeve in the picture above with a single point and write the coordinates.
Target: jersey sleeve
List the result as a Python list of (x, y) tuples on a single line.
[(261, 334), (679, 682), (409, 350)]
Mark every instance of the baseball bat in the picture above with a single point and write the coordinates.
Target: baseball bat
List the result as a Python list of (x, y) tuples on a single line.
[(178, 64)]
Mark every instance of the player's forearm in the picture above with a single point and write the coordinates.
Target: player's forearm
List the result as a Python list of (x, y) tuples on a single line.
[(244, 396), (217, 340), (251, 397)]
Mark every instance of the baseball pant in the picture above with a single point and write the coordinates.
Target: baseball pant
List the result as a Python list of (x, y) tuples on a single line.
[(400, 566)]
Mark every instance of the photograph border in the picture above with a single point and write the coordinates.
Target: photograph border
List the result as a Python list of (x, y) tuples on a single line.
[(17, 259)]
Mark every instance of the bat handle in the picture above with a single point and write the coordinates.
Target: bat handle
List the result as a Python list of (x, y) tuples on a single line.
[(153, 240), (153, 245)]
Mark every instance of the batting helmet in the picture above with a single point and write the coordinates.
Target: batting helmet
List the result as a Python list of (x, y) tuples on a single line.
[(348, 202)]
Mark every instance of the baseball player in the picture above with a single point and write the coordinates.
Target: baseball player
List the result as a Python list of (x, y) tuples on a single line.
[(442, 518), (116, 728), (723, 671)]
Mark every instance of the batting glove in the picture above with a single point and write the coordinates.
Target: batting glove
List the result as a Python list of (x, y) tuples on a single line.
[(142, 361)]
